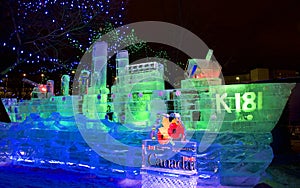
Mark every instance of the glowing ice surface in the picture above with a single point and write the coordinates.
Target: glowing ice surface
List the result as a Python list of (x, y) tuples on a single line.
[(230, 124)]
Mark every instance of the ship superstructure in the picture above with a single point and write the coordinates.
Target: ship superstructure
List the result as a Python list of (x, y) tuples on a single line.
[(139, 95), (133, 90)]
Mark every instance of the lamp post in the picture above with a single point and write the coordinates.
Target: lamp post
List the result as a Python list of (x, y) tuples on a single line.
[(42, 75), (6, 85), (237, 79), (23, 86)]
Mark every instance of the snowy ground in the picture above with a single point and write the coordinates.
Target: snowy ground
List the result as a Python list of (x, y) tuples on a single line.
[(283, 172)]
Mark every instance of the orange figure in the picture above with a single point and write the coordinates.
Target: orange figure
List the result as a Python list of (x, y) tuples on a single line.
[(162, 135)]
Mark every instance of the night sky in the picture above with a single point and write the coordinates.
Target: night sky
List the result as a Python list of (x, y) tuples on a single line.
[(243, 34)]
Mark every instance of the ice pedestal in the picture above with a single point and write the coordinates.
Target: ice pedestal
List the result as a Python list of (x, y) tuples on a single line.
[(169, 165), (244, 158), (164, 180), (233, 159), (208, 166), (56, 143)]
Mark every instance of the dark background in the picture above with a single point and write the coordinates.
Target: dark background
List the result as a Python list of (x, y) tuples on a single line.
[(243, 34)]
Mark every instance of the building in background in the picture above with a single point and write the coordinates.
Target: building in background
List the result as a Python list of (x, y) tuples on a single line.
[(261, 74)]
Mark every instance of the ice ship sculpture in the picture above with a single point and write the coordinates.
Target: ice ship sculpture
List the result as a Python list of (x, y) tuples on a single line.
[(229, 125)]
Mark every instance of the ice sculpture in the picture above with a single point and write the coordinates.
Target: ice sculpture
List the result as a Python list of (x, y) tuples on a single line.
[(133, 91), (99, 63), (226, 135), (168, 159), (65, 84), (50, 88), (84, 82), (95, 103), (41, 90), (202, 68), (122, 62)]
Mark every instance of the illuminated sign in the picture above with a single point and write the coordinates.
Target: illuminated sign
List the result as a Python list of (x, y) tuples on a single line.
[(247, 102), (184, 163), (180, 156)]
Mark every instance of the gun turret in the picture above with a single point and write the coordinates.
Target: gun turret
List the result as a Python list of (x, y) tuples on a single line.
[(30, 82), (41, 90)]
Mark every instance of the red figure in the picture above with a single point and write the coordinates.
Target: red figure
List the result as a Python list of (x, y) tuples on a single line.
[(176, 131)]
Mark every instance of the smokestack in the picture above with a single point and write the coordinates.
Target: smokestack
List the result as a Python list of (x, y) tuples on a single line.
[(122, 61), (99, 64), (65, 84)]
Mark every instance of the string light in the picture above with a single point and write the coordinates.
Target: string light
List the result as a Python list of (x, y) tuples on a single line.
[(45, 30)]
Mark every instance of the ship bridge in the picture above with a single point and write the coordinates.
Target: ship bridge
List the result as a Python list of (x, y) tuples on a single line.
[(133, 90)]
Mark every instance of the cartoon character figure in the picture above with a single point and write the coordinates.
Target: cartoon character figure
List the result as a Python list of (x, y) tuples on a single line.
[(162, 134), (172, 129), (176, 128)]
